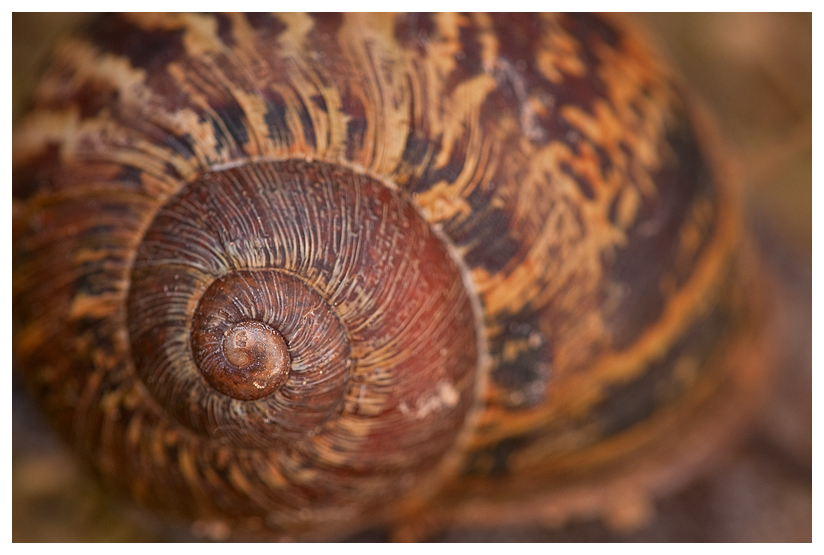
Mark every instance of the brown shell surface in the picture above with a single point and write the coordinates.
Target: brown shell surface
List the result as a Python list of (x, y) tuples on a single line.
[(589, 237)]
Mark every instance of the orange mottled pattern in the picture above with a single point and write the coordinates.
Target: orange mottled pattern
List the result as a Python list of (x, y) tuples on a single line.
[(576, 189)]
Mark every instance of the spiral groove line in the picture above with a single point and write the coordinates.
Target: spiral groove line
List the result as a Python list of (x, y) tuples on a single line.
[(552, 154), (378, 326)]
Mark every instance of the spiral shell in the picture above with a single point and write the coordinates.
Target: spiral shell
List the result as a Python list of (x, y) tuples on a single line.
[(307, 274)]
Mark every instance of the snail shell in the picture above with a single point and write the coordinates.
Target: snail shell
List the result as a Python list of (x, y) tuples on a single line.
[(304, 274)]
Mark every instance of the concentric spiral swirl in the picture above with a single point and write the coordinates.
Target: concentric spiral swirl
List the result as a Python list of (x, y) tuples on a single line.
[(306, 308), (306, 275)]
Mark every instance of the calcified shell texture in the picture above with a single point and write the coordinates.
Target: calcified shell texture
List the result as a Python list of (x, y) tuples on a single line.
[(302, 274)]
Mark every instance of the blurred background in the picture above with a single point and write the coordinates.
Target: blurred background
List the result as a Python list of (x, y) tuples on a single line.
[(754, 72)]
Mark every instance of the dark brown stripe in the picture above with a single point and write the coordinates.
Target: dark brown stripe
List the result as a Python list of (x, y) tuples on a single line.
[(149, 50), (413, 31), (523, 379), (635, 401), (36, 175), (653, 240)]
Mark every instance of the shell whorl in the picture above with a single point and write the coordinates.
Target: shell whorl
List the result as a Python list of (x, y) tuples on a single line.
[(378, 330), (457, 205)]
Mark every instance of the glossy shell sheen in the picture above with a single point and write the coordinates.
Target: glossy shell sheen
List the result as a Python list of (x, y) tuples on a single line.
[(302, 275)]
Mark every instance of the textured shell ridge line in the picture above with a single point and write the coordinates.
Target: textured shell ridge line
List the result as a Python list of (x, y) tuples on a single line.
[(453, 461), (311, 241), (136, 79), (133, 83), (271, 190), (374, 399), (377, 356), (204, 254), (373, 49), (345, 266), (457, 458), (311, 82), (366, 180), (237, 207), (375, 312), (232, 79)]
